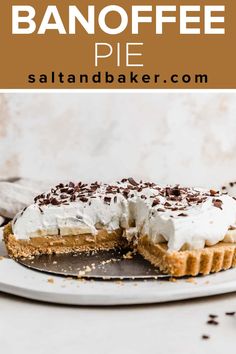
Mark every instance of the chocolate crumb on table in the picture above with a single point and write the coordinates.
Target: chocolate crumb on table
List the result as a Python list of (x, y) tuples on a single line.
[(213, 316), (230, 313), (212, 322), (205, 336)]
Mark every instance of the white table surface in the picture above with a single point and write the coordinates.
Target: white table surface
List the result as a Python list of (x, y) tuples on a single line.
[(33, 327)]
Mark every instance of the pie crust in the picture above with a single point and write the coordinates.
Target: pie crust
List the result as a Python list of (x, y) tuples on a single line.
[(210, 259)]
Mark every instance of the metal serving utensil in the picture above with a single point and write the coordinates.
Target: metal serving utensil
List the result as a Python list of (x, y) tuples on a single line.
[(113, 264)]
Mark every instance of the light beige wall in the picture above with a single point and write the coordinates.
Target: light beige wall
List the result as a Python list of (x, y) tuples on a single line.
[(166, 137)]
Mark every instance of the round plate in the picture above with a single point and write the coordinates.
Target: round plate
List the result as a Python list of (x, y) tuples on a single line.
[(19, 280)]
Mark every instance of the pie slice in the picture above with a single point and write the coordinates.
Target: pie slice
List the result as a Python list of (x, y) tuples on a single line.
[(210, 259)]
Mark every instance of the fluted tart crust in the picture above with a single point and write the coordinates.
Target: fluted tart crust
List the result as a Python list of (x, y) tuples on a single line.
[(208, 260)]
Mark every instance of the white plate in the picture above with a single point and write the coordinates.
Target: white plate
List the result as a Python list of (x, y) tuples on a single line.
[(18, 280)]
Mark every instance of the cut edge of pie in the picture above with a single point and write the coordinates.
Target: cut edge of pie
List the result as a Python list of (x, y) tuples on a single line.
[(210, 259), (35, 246)]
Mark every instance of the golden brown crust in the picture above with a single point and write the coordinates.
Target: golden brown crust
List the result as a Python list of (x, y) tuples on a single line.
[(210, 259), (103, 240)]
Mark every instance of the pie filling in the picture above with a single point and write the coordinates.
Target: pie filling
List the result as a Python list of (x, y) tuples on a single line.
[(183, 231)]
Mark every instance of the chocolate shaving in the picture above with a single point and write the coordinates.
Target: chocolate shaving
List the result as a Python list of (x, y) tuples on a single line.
[(107, 200), (175, 191), (231, 228), (217, 203), (83, 199), (205, 336), (73, 198), (126, 193), (213, 192), (167, 191), (133, 182), (212, 322), (177, 198), (155, 202), (213, 316), (64, 190), (54, 201)]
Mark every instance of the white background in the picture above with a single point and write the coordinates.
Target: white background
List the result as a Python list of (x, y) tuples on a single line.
[(185, 138)]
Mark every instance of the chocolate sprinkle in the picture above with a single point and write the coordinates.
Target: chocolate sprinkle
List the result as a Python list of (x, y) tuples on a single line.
[(165, 199), (231, 228), (205, 336), (84, 200), (213, 192), (133, 182), (217, 203), (213, 316), (176, 191), (107, 200), (212, 322), (155, 202)]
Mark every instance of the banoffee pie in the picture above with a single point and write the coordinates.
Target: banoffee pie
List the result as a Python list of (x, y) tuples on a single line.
[(180, 230)]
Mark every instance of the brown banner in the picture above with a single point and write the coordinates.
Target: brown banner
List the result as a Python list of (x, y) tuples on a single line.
[(142, 49)]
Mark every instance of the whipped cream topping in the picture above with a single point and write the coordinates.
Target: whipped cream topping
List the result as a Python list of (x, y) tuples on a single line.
[(184, 217)]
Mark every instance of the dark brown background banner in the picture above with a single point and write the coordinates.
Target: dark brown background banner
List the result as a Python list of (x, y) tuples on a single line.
[(166, 55)]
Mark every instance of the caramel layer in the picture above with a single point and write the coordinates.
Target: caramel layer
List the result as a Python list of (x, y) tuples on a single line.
[(103, 240)]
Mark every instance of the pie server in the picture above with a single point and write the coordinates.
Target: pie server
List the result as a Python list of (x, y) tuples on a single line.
[(113, 264)]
